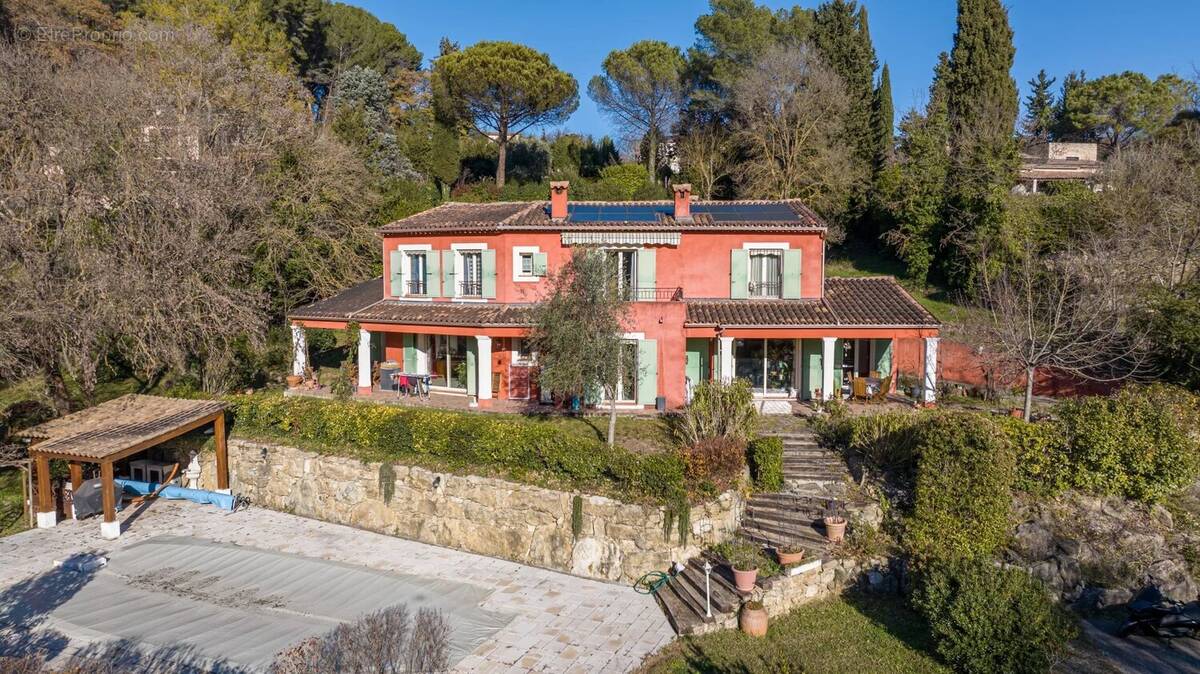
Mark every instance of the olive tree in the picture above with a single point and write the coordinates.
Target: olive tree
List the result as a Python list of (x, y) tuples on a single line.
[(578, 329)]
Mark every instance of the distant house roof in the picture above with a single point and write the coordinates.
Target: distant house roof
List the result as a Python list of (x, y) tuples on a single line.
[(767, 216), (848, 302)]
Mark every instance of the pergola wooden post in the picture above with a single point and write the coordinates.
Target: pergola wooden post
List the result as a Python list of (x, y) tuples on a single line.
[(113, 431)]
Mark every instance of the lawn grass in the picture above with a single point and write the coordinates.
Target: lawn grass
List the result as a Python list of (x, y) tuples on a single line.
[(12, 519), (855, 634)]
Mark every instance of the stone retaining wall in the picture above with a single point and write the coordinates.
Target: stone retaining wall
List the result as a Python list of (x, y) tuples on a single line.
[(489, 516)]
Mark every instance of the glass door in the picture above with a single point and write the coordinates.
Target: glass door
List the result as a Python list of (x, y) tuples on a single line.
[(449, 358), (628, 373)]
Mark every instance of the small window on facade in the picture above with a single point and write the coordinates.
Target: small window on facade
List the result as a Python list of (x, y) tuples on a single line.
[(524, 353), (766, 269), (471, 284), (416, 274), (527, 264)]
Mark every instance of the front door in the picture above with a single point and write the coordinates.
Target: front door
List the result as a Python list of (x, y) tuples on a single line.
[(699, 361)]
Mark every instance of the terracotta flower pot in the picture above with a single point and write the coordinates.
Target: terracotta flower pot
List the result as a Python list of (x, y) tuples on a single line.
[(753, 619), (787, 558), (1016, 413), (835, 528), (744, 580), (294, 380)]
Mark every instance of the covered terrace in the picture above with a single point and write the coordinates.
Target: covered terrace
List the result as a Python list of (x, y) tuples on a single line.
[(111, 432)]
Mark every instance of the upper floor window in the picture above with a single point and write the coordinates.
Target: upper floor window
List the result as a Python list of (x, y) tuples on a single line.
[(766, 273), (417, 265), (623, 267), (471, 283), (526, 264)]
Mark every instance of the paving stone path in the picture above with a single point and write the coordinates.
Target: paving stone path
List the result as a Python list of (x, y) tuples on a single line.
[(563, 624)]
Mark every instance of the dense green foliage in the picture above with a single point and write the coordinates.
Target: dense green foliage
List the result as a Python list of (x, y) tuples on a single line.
[(717, 410), (963, 490), (986, 618), (516, 448), (1141, 442), (765, 456), (1043, 455), (1116, 109)]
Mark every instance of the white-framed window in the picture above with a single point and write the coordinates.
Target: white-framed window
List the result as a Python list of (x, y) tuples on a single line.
[(468, 270), (523, 352), (524, 263), (623, 266), (765, 273), (413, 266)]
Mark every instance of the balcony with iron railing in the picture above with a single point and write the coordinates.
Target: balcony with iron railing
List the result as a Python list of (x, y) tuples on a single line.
[(765, 289), (415, 288), (656, 294), (470, 289)]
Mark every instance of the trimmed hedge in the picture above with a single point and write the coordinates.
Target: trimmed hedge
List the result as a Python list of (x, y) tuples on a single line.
[(765, 455), (985, 619), (520, 449), (963, 493)]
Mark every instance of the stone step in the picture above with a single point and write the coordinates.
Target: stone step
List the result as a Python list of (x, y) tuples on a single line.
[(785, 501), (782, 518), (814, 463), (681, 616), (722, 578), (722, 567), (786, 531), (724, 599), (693, 599), (797, 511), (811, 551)]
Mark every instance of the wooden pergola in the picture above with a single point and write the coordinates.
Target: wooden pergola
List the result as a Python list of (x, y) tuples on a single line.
[(113, 431)]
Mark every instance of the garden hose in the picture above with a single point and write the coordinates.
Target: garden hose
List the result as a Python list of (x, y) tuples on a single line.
[(651, 582)]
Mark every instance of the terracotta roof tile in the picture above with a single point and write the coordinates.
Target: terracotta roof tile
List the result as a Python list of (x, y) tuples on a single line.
[(527, 216), (365, 303), (877, 301)]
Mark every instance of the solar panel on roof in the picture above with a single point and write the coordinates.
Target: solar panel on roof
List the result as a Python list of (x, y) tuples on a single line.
[(748, 212), (614, 212)]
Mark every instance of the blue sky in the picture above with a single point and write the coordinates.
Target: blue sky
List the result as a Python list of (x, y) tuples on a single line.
[(1099, 36)]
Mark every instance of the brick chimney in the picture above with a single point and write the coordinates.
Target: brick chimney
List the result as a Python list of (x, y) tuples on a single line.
[(558, 199), (683, 201)]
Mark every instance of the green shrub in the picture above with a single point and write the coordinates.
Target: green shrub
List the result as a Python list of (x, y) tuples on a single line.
[(989, 619), (887, 441), (1140, 443), (1041, 451), (963, 492), (765, 455), (516, 447), (717, 410)]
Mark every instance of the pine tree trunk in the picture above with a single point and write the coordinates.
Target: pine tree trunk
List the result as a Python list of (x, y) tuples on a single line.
[(651, 158), (503, 145), (1029, 372)]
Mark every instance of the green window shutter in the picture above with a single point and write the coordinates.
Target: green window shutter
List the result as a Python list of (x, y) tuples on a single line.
[(489, 273), (791, 275), (647, 387), (410, 353), (739, 262), (883, 357), (472, 355), (645, 269), (433, 273), (447, 273), (810, 352), (397, 275), (539, 264)]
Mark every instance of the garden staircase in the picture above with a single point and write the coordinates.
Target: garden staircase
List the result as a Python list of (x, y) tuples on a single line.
[(812, 476)]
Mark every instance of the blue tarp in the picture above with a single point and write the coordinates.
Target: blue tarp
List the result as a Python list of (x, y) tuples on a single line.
[(202, 496)]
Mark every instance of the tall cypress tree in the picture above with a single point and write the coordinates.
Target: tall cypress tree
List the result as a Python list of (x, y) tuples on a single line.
[(1039, 107), (843, 40), (981, 107), (883, 120)]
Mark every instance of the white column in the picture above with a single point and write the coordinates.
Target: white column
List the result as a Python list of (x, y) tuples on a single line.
[(929, 383), (299, 351), (483, 366), (725, 359), (827, 367), (364, 361)]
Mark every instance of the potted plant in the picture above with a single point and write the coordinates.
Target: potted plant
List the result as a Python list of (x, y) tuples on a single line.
[(753, 619), (743, 561), (789, 553), (835, 522), (294, 380)]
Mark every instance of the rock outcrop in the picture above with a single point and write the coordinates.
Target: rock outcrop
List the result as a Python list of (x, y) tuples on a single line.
[(1098, 551)]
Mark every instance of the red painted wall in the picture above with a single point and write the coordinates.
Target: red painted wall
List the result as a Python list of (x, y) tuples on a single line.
[(700, 264)]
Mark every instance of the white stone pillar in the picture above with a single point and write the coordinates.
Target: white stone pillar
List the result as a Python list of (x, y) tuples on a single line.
[(929, 383), (47, 520), (364, 361), (827, 367), (299, 351), (725, 359), (483, 366)]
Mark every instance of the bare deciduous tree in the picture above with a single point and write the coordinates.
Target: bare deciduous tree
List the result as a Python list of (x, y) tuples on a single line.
[(706, 153), (1067, 312), (790, 110), (152, 201), (384, 642)]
